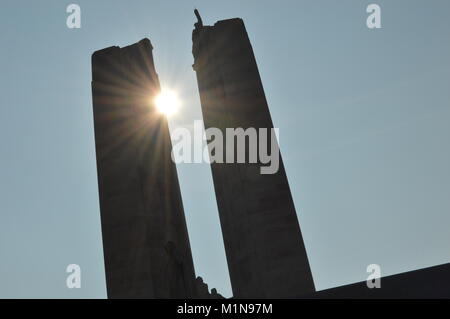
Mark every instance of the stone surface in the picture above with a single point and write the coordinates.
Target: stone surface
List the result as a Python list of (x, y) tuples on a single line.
[(263, 243), (146, 245), (203, 290)]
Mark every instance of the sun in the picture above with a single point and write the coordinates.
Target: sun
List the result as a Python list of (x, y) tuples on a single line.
[(167, 102)]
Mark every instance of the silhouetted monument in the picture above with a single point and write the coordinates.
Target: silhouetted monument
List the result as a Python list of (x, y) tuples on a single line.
[(263, 243), (146, 245), (145, 240)]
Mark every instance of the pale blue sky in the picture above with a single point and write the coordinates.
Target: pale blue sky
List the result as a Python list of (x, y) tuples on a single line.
[(363, 116)]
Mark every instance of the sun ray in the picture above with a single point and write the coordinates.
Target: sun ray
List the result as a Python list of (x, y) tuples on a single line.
[(167, 102)]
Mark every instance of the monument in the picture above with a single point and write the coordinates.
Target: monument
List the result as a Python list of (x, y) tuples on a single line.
[(146, 246), (263, 243)]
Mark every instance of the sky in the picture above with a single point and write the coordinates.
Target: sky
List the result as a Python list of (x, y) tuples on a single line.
[(362, 115)]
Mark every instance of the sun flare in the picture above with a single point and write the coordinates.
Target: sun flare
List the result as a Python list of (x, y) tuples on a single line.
[(167, 102)]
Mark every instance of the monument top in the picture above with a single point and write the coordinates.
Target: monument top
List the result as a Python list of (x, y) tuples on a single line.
[(199, 23)]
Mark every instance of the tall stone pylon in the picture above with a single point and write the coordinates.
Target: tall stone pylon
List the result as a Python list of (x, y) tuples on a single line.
[(263, 242), (145, 240)]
